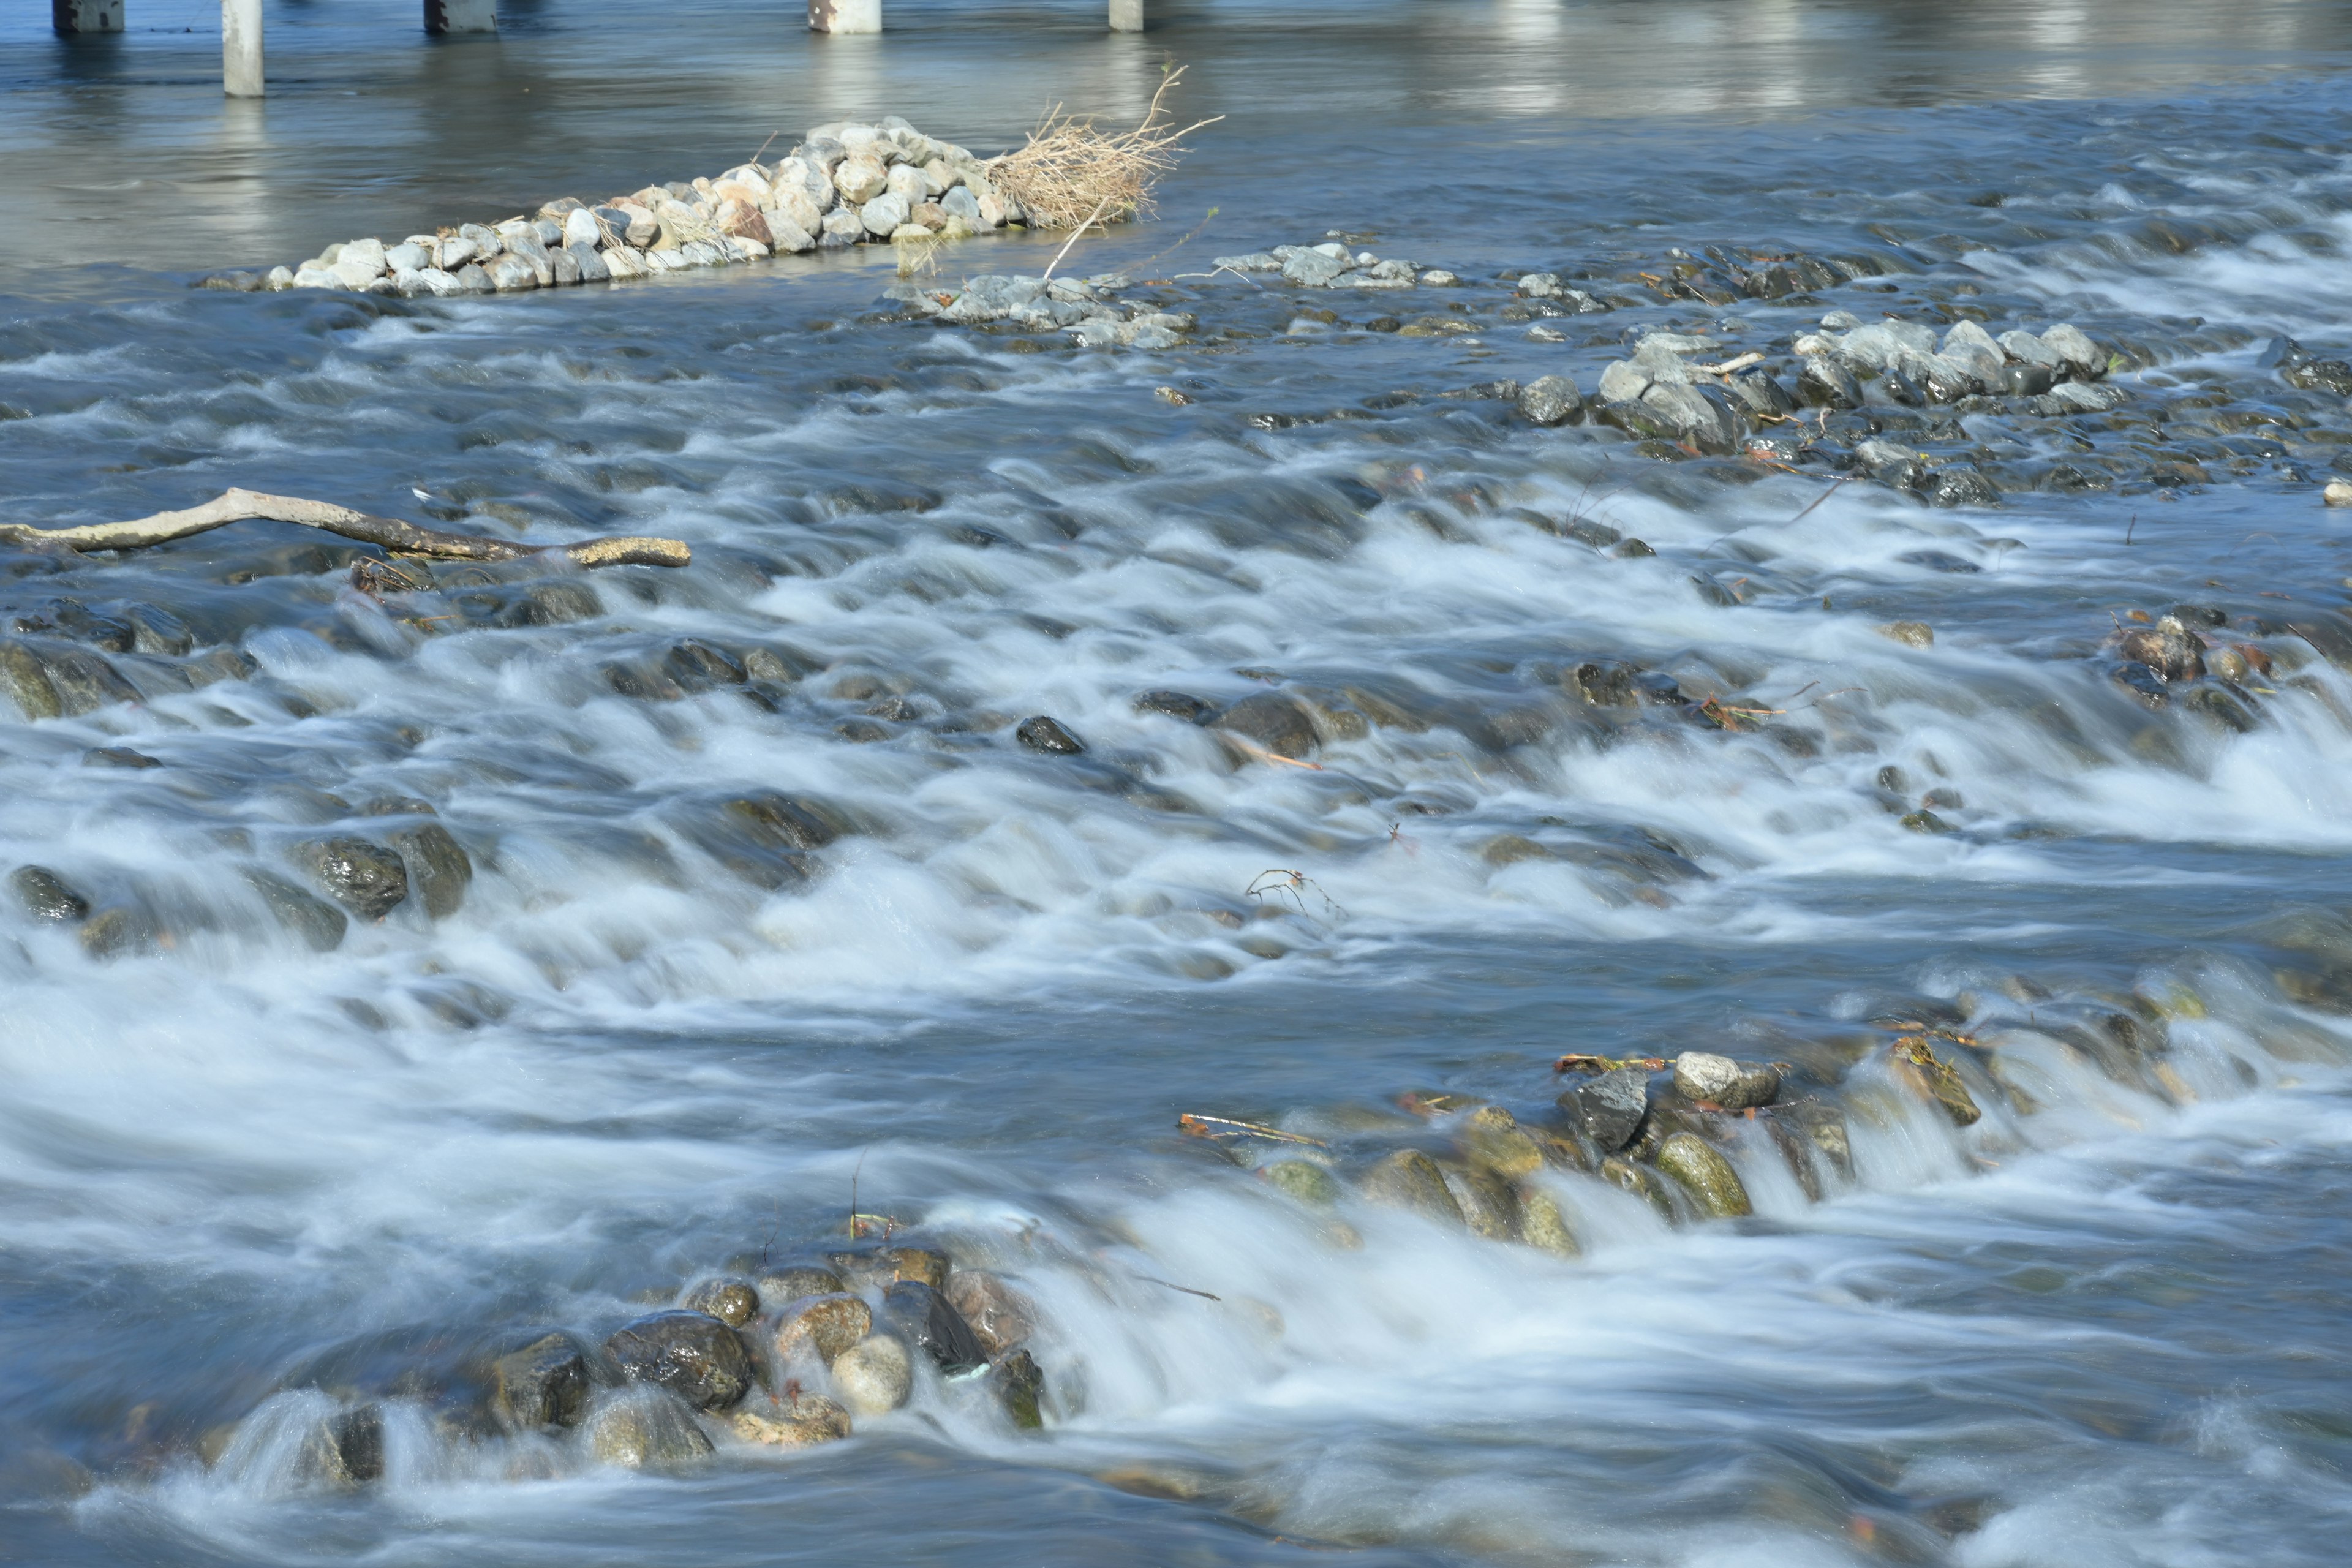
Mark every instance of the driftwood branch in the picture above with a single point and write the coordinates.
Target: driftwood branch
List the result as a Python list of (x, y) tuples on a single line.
[(389, 533)]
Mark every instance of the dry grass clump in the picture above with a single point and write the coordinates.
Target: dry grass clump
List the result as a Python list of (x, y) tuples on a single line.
[(1072, 176)]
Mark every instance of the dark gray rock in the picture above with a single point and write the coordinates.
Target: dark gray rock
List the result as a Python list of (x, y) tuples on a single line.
[(438, 869), (1041, 734), (1960, 484), (733, 1302), (119, 932), (117, 757), (1550, 400), (1274, 719), (930, 1321), (365, 878), (316, 922), (692, 1354), (545, 1383), (1824, 383), (1018, 1381), (1608, 1110), (46, 896), (781, 1286), (1176, 705)]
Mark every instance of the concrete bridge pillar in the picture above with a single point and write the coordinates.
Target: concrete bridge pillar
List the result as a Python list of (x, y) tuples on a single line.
[(86, 15), (461, 15), (845, 15), (241, 48), (1127, 16)]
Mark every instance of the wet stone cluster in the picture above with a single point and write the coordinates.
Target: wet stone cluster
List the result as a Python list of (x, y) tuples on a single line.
[(845, 184), (1693, 1137), (789, 1355)]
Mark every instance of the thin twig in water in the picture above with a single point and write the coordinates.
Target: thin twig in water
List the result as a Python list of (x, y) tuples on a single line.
[(765, 145), (2129, 527), (1264, 755), (1148, 1280), (855, 1171), (1143, 267), (1817, 500), (1294, 883), (1073, 239)]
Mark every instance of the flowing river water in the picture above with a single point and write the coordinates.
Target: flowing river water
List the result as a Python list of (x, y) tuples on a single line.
[(771, 918)]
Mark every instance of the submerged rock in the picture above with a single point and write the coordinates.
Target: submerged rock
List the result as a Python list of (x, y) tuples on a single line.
[(438, 869), (1274, 719), (646, 1427), (930, 1320), (733, 1302), (693, 1354), (365, 878), (803, 1422), (1410, 1179), (875, 1376), (879, 1268), (784, 1286), (1018, 1381), (1708, 1175), (1304, 1180), (46, 896), (1486, 1200), (1002, 1318), (318, 922), (1640, 1181), (1041, 734), (822, 1326), (1492, 1141), (545, 1383), (1542, 1224), (1918, 1069)]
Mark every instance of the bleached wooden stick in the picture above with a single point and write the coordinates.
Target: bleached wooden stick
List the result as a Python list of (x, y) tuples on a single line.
[(391, 533)]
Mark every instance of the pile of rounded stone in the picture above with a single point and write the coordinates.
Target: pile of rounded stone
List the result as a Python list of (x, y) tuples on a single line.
[(1331, 264), (787, 1356), (1086, 308), (845, 184)]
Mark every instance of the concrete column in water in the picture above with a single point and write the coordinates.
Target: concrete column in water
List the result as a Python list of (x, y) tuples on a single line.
[(86, 15), (1127, 16), (845, 15), (461, 15), (241, 48)]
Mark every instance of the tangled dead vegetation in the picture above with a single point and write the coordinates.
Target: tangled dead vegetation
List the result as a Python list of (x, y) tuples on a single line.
[(1073, 175)]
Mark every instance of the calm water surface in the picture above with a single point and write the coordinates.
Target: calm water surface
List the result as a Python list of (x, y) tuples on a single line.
[(242, 1181)]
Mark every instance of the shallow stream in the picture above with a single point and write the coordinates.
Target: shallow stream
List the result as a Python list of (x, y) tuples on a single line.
[(770, 917)]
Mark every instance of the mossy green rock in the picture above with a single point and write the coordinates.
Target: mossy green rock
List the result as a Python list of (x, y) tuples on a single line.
[(1543, 1227), (1302, 1179), (1708, 1175), (1410, 1179)]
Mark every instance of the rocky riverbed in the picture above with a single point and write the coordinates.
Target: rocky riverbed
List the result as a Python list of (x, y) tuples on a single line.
[(1656, 879)]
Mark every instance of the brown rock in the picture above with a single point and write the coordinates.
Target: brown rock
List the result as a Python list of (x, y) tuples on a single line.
[(1002, 1317), (800, 1422), (822, 1326)]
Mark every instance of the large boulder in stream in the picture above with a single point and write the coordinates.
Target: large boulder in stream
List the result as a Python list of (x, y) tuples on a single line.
[(1706, 1175), (874, 1375), (692, 1354), (1002, 1318), (1704, 1078), (822, 1327), (931, 1323), (365, 878), (1608, 1110), (1410, 1179), (545, 1383), (645, 1427)]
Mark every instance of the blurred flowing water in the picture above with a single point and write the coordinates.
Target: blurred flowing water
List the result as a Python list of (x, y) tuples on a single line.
[(241, 1179)]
